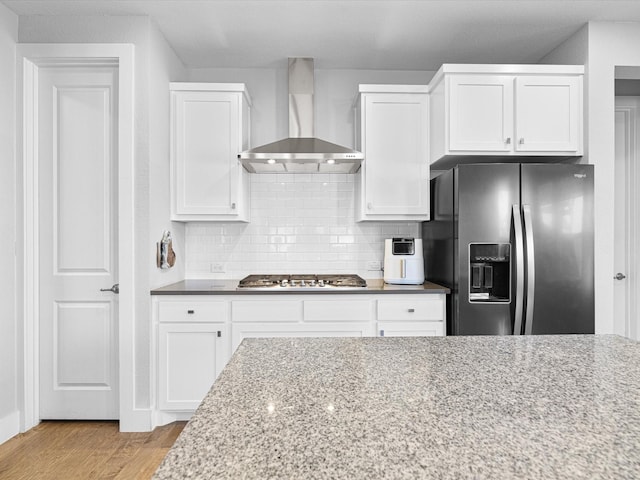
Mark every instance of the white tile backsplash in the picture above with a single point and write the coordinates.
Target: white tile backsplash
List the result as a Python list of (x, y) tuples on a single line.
[(302, 223)]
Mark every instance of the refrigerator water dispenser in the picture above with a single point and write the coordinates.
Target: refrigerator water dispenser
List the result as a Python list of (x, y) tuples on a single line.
[(489, 272)]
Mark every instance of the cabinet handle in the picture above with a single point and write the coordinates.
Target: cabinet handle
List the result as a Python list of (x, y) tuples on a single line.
[(382, 333), (521, 141), (233, 206), (411, 310), (508, 141), (219, 333), (191, 312)]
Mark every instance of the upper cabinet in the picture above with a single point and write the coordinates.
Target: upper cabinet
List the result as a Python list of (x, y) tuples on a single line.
[(392, 129), (209, 127), (497, 110)]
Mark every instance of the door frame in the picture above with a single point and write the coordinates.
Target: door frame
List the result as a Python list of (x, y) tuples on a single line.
[(31, 57), (632, 233)]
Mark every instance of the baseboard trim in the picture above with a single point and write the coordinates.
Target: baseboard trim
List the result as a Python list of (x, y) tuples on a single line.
[(138, 420), (164, 418), (9, 426)]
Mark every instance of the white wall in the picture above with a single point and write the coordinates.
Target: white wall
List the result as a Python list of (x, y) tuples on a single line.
[(164, 67), (604, 45), (9, 416), (299, 223)]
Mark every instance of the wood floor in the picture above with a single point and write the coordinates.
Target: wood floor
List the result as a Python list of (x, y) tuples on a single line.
[(85, 450)]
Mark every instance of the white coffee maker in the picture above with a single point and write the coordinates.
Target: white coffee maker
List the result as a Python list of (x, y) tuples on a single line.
[(403, 261)]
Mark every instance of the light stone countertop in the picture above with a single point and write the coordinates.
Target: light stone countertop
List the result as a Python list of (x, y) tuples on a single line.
[(491, 407), (228, 287)]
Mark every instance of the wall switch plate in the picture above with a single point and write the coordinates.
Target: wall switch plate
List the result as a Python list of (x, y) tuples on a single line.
[(217, 268), (373, 266)]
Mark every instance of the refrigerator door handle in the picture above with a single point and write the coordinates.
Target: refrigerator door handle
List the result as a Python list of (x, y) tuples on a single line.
[(531, 269), (519, 252)]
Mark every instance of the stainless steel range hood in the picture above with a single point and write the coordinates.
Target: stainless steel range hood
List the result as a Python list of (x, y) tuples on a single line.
[(301, 152)]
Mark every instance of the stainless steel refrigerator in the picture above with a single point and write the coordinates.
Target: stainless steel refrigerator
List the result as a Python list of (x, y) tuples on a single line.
[(514, 243)]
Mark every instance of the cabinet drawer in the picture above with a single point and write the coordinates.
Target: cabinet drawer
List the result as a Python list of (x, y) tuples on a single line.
[(407, 310), (410, 329), (331, 311), (192, 312), (266, 311)]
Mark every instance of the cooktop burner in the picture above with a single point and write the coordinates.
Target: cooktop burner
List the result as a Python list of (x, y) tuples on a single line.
[(301, 281)]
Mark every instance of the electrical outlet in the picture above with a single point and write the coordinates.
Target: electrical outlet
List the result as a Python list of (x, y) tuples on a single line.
[(217, 268), (373, 266)]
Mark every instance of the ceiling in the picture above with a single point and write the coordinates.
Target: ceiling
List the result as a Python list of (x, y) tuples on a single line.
[(360, 34)]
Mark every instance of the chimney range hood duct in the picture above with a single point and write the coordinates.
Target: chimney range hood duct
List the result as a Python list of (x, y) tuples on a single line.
[(301, 152)]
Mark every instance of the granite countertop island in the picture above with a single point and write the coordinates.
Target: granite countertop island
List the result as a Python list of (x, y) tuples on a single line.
[(493, 407)]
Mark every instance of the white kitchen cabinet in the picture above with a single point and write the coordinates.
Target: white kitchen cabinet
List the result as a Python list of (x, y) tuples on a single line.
[(209, 127), (196, 335), (408, 316), (191, 356), (480, 113), (505, 110), (392, 130), (300, 316), (193, 348), (548, 114)]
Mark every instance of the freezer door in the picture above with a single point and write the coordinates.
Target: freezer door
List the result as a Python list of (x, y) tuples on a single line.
[(485, 195), (557, 202)]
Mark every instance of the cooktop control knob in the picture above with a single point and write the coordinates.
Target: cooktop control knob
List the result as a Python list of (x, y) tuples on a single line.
[(321, 283)]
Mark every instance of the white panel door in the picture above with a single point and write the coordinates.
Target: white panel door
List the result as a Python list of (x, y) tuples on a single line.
[(78, 242), (547, 114), (207, 142), (480, 113), (396, 165), (625, 258)]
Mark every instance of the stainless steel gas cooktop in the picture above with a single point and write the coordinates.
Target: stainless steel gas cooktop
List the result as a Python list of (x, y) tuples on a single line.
[(302, 282)]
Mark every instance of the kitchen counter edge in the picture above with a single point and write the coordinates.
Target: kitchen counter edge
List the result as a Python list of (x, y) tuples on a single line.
[(228, 287)]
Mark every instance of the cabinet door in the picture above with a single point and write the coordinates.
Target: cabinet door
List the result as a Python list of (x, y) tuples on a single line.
[(548, 111), (191, 357), (240, 331), (206, 142), (480, 113), (410, 329), (395, 144)]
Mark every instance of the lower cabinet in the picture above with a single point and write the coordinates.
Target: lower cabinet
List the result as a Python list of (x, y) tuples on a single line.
[(196, 335), (191, 356)]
